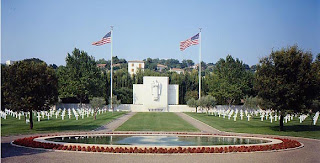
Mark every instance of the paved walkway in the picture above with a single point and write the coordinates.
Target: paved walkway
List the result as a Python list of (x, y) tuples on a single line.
[(310, 153), (198, 124), (115, 123)]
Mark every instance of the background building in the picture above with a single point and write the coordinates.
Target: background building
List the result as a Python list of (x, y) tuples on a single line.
[(177, 70), (9, 62), (161, 67), (133, 66)]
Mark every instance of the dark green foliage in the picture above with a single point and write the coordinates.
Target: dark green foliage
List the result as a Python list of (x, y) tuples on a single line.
[(80, 77), (125, 95), (29, 85), (36, 60), (191, 95), (286, 80), (230, 81)]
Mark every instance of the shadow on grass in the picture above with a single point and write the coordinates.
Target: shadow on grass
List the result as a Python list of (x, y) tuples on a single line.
[(297, 128), (68, 128)]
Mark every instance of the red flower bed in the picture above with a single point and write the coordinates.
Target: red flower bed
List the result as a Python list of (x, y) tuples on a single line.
[(285, 144)]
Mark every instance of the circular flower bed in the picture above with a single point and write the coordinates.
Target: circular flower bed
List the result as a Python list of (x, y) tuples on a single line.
[(285, 144)]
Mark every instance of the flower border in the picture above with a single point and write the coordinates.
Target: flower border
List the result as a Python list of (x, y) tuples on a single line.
[(285, 144)]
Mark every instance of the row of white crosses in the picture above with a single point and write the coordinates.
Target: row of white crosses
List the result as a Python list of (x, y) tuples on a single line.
[(302, 117), (3, 114), (11, 113), (230, 113), (60, 112), (17, 115), (264, 114), (42, 114)]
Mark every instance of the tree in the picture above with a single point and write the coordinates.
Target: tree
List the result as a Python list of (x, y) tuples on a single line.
[(53, 66), (29, 86), (97, 103), (80, 77), (191, 94), (193, 103), (252, 102), (125, 95), (207, 102), (285, 80), (231, 81), (316, 71)]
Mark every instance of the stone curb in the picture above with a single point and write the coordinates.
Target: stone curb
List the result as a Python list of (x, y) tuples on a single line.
[(185, 154)]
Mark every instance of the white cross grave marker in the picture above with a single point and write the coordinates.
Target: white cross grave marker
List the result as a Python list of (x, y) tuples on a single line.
[(248, 116)]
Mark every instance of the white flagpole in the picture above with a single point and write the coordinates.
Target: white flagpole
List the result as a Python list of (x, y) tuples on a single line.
[(200, 64), (111, 67)]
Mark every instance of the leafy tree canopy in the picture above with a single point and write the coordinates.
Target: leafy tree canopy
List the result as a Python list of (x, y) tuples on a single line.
[(287, 81), (29, 85), (80, 77), (230, 81)]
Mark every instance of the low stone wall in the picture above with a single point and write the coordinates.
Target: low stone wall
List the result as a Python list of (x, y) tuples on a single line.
[(181, 108)]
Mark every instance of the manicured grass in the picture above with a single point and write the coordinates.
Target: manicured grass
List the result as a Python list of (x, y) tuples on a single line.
[(156, 122), (255, 126), (13, 126)]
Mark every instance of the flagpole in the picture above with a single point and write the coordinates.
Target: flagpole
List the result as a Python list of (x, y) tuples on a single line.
[(200, 64), (111, 67)]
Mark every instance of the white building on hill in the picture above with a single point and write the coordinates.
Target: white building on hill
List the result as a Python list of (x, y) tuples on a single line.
[(133, 66), (9, 62), (177, 70), (161, 67)]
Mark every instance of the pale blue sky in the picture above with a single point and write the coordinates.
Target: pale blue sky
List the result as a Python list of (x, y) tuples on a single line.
[(246, 29)]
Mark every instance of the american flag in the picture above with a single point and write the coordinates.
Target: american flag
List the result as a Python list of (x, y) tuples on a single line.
[(106, 39), (191, 41)]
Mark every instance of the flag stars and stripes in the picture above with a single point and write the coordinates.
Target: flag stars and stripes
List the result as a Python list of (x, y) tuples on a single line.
[(106, 39), (191, 41)]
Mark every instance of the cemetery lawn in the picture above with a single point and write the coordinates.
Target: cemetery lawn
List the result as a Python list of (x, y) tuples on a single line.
[(14, 126), (255, 126), (156, 122)]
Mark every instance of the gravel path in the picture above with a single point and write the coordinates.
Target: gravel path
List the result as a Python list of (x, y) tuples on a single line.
[(309, 153)]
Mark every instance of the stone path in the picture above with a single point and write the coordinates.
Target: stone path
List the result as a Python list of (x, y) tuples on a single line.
[(11, 154), (115, 123), (198, 124)]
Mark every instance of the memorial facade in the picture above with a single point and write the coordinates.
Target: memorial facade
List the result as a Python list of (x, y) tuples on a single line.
[(155, 94)]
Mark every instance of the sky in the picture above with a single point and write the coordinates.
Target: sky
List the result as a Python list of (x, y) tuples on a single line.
[(245, 29)]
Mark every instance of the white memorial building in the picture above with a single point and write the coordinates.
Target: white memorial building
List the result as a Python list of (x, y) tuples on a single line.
[(155, 94)]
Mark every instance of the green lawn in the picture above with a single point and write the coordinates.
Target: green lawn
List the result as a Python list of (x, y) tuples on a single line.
[(13, 126), (156, 122), (255, 126)]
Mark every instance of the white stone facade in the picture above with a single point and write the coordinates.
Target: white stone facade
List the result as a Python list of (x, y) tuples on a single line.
[(155, 94), (133, 66), (9, 62)]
